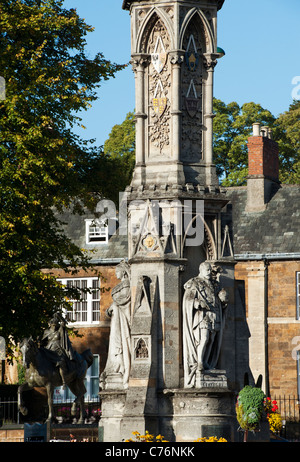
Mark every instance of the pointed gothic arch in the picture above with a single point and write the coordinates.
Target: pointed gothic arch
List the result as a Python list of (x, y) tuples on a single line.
[(193, 15), (209, 244), (145, 29)]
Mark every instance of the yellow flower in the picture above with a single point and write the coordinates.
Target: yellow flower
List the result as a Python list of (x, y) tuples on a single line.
[(275, 422), (147, 438), (210, 439)]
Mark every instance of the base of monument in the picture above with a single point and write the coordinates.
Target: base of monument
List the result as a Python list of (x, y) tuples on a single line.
[(112, 406), (183, 414), (189, 414)]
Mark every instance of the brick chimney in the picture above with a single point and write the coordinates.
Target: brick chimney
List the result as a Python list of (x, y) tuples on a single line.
[(263, 173)]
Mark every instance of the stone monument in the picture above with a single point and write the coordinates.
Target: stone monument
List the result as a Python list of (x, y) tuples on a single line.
[(181, 315)]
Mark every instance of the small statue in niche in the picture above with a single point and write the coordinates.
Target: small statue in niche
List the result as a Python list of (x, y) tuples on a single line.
[(141, 351), (204, 303), (119, 358)]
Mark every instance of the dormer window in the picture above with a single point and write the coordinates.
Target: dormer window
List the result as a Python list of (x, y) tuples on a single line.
[(96, 232)]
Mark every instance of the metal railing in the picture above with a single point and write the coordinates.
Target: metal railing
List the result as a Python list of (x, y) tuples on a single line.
[(9, 412), (63, 411), (289, 407)]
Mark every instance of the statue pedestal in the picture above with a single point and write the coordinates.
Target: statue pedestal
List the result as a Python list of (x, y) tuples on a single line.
[(112, 382), (211, 379), (189, 414), (113, 406)]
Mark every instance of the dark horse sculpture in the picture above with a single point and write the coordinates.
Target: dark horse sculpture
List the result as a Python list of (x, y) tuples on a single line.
[(42, 371)]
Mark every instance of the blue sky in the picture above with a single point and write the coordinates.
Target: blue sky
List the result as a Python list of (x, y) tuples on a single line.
[(261, 39)]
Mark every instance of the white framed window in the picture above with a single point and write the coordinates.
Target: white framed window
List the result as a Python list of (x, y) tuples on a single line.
[(92, 379), (298, 294), (96, 232), (85, 310)]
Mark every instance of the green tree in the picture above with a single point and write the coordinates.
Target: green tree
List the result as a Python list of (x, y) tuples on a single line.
[(232, 128), (288, 137), (49, 80), (120, 147)]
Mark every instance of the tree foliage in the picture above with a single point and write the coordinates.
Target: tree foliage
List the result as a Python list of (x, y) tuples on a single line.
[(49, 80), (288, 138), (120, 146), (232, 128)]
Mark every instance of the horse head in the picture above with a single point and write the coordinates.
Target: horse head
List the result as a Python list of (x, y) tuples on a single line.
[(28, 349)]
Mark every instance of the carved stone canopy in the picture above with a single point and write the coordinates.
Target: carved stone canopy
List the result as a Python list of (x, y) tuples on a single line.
[(127, 3)]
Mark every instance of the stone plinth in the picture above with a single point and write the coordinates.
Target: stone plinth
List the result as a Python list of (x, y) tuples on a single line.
[(189, 414), (211, 379), (113, 405), (113, 382)]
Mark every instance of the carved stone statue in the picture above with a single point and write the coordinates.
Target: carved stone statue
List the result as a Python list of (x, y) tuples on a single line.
[(204, 303), (119, 357)]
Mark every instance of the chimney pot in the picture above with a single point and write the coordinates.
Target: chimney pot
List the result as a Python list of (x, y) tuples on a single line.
[(256, 129)]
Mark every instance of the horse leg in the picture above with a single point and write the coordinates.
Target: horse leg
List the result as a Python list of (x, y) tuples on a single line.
[(81, 404), (21, 406), (50, 390), (78, 389)]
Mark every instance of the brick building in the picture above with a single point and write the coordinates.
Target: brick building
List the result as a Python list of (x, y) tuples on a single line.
[(264, 220)]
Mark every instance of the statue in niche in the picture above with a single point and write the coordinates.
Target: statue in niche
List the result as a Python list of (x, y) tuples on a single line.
[(119, 358), (141, 350), (204, 303)]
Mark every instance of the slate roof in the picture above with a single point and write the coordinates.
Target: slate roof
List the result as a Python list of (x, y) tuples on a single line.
[(112, 252), (273, 231)]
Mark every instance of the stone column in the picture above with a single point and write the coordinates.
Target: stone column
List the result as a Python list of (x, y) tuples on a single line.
[(209, 63), (139, 63), (176, 59), (257, 320)]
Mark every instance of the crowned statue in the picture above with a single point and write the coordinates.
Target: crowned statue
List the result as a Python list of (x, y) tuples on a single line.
[(204, 305)]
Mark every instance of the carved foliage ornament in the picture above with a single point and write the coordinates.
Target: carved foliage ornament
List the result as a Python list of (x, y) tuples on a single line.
[(159, 83)]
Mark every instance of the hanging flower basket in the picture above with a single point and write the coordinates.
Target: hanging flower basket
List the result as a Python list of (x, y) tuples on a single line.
[(250, 408)]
